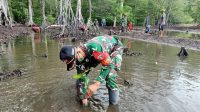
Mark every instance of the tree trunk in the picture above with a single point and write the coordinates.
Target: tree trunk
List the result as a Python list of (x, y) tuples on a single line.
[(168, 14), (167, 18), (60, 15), (78, 12), (90, 8), (115, 20), (30, 22), (43, 12), (89, 23), (121, 6), (66, 18), (6, 18), (61, 4)]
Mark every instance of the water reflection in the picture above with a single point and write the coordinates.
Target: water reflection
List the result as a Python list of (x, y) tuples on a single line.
[(160, 80), (156, 75), (33, 43)]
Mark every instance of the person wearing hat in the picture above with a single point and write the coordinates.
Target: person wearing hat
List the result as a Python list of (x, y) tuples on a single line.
[(162, 23), (105, 50)]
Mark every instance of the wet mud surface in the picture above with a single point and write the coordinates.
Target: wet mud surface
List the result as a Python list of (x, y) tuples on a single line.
[(7, 33), (153, 78), (168, 40)]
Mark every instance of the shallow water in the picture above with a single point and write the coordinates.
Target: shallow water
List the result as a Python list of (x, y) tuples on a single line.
[(183, 34), (160, 81)]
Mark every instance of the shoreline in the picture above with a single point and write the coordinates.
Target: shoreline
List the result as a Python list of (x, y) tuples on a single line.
[(163, 43), (137, 33), (7, 32)]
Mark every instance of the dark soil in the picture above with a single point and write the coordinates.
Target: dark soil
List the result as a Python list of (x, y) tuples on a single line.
[(7, 33)]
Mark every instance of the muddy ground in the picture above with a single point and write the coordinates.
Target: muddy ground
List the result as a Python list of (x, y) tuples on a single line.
[(7, 33), (188, 43)]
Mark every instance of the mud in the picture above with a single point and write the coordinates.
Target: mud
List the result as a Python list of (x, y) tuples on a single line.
[(7, 33), (8, 74), (138, 34), (174, 41)]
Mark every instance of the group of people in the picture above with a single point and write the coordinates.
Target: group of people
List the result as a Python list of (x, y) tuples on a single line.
[(161, 24), (125, 26)]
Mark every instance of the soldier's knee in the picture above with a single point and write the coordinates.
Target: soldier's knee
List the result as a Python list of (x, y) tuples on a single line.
[(113, 96)]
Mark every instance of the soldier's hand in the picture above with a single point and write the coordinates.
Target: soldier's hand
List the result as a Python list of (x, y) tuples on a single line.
[(85, 102), (91, 89), (94, 87)]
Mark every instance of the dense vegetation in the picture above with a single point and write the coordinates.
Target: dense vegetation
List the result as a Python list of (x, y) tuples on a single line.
[(177, 11)]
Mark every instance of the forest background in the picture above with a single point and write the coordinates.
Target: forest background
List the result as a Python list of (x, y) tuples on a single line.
[(177, 11)]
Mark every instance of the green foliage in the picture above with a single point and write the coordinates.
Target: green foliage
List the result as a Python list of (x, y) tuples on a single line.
[(19, 11), (37, 20), (51, 19), (177, 11), (195, 11), (37, 12)]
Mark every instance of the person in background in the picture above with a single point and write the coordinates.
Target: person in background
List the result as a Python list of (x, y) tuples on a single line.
[(96, 25), (130, 26), (124, 23), (105, 50), (103, 22), (162, 23), (147, 24)]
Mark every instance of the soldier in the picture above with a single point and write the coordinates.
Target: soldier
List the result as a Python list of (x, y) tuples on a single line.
[(104, 50)]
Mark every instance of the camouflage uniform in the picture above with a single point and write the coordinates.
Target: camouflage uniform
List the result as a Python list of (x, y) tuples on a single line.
[(101, 44)]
